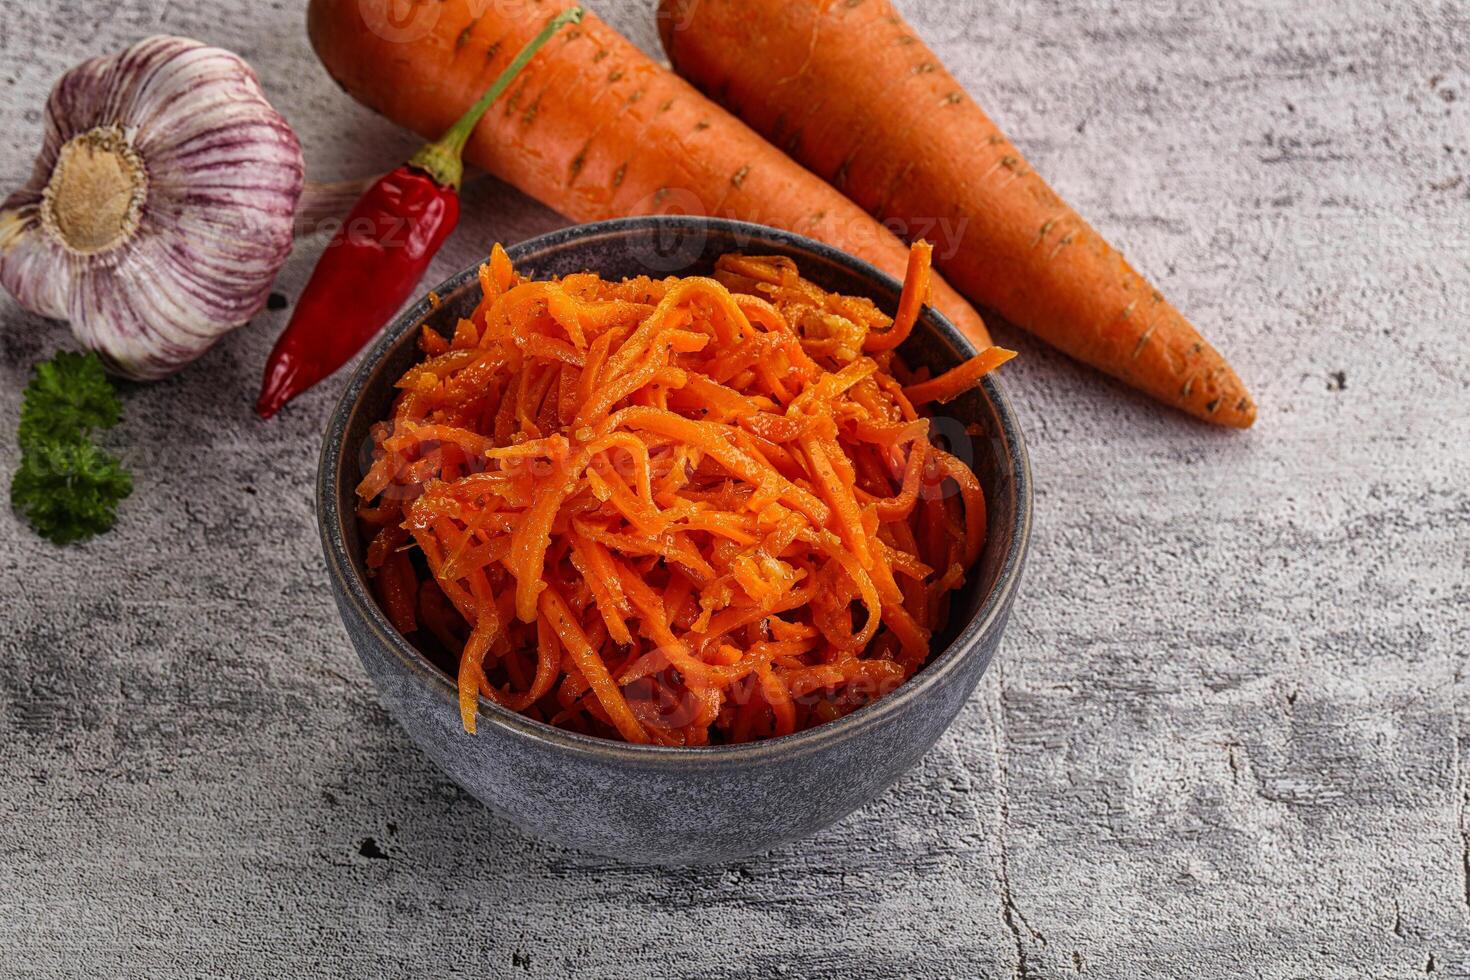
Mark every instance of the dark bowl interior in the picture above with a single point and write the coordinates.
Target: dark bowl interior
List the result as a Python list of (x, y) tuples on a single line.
[(978, 427)]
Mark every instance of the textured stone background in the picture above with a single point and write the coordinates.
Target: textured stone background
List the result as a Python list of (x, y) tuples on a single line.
[(1225, 737)]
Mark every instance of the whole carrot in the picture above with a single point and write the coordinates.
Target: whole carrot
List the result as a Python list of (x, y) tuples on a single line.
[(595, 128), (850, 90), (379, 255)]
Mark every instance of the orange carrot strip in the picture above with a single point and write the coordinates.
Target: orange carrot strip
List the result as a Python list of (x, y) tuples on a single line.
[(708, 437), (595, 563), (900, 507), (548, 664), (840, 497), (955, 382), (533, 537), (398, 590), (779, 698), (974, 498), (569, 632), (910, 304)]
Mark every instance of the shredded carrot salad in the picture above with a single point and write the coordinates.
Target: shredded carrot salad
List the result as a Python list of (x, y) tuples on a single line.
[(679, 511)]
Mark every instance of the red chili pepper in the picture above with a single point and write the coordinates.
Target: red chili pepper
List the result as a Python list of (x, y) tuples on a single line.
[(379, 255)]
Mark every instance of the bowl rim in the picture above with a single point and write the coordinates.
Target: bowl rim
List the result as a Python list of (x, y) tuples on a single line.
[(351, 588)]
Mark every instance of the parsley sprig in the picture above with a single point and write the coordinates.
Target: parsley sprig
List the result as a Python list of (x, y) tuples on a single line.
[(67, 488)]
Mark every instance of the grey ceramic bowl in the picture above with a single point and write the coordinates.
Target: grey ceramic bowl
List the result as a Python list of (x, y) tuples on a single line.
[(647, 804)]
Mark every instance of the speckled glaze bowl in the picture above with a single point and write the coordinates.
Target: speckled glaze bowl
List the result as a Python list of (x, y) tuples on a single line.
[(646, 804)]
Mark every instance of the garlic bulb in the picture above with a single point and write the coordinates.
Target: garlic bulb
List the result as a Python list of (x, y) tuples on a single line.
[(161, 206)]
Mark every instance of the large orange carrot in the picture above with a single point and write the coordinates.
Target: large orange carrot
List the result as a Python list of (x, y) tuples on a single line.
[(848, 89), (594, 128)]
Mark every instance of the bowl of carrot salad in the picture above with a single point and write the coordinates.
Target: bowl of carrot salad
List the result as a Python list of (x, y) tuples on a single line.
[(675, 538)]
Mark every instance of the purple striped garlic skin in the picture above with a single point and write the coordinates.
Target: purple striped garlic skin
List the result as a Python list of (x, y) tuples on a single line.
[(161, 206)]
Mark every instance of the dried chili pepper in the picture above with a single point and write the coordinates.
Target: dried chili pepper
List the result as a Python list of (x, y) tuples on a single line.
[(380, 253)]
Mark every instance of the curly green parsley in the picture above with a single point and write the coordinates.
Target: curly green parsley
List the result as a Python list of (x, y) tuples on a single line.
[(67, 488)]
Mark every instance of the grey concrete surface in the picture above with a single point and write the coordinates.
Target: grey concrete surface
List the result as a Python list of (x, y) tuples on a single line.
[(1225, 738)]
